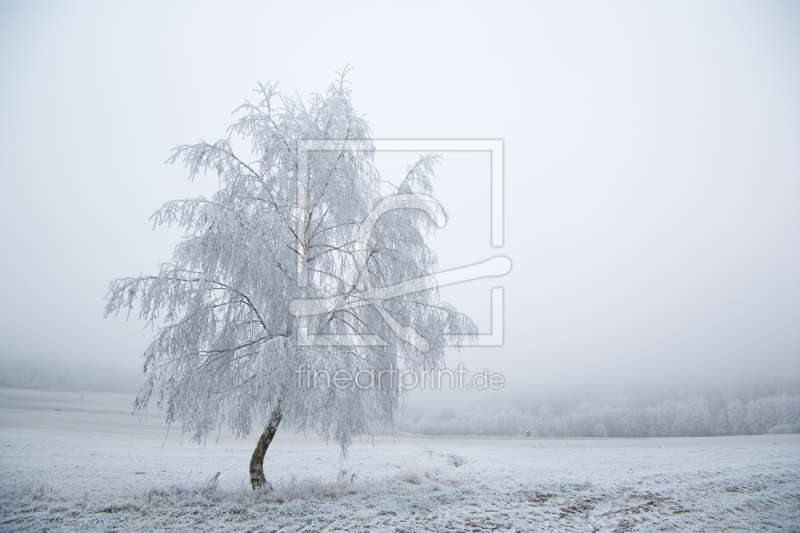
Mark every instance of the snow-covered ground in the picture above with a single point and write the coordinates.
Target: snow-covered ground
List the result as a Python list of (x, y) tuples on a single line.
[(72, 464)]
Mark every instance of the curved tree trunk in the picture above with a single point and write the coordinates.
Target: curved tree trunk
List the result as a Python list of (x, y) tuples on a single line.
[(257, 478)]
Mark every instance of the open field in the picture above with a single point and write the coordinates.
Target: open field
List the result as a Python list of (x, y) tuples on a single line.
[(83, 465)]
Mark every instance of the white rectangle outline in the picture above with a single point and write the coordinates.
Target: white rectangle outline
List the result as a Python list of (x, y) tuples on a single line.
[(494, 146)]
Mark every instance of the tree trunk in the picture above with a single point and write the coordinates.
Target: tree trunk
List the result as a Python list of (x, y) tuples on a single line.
[(257, 478)]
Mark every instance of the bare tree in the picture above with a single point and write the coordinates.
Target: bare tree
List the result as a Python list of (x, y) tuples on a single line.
[(228, 350)]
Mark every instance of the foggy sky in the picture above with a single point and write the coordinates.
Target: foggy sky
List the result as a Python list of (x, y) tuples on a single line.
[(652, 165)]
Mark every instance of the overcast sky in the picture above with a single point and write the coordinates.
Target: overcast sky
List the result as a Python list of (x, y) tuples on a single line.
[(652, 165)]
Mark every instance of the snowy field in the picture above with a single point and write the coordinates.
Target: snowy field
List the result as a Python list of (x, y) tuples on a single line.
[(72, 464)]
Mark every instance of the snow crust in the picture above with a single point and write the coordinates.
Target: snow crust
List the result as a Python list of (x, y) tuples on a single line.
[(85, 465)]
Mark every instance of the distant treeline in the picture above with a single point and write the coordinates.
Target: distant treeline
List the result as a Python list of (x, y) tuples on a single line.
[(54, 374), (662, 411), (669, 413)]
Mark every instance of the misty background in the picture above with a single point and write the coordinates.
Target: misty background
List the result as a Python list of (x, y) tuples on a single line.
[(652, 186)]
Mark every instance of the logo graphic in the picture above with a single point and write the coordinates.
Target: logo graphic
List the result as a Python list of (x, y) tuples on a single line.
[(495, 266)]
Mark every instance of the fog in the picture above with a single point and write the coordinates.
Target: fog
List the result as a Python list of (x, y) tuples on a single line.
[(651, 151)]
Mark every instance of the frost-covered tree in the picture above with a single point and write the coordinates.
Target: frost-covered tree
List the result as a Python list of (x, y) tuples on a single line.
[(228, 350)]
